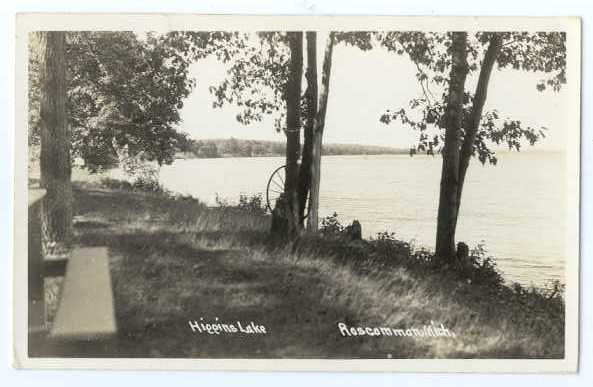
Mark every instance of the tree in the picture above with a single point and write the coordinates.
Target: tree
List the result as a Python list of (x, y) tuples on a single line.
[(246, 149), (286, 222), (448, 206), (257, 82), (475, 114), (208, 150), (55, 136), (309, 113), (123, 92), (316, 108), (232, 147), (264, 78), (433, 55), (318, 127)]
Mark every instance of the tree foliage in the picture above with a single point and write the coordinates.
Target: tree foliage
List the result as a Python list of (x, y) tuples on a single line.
[(258, 73), (257, 78), (542, 52), (125, 91)]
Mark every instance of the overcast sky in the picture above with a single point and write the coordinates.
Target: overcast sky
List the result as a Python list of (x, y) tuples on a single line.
[(363, 85)]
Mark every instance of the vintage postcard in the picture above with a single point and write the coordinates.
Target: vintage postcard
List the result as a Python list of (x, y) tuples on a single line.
[(297, 193)]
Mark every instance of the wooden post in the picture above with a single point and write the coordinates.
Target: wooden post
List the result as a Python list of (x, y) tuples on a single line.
[(36, 294)]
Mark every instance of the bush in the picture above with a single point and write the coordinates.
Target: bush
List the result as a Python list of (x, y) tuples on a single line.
[(554, 289), (335, 246), (483, 267), (116, 184), (330, 225), (388, 248), (144, 174), (221, 202), (385, 248), (147, 184), (422, 256), (386, 236), (253, 205)]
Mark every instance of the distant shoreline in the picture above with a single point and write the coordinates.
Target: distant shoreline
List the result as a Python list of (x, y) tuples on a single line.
[(185, 156), (232, 147), (227, 156)]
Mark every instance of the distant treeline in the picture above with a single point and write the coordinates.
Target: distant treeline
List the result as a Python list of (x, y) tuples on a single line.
[(234, 147)]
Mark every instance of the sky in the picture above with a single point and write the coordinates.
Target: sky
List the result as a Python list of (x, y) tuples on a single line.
[(363, 85)]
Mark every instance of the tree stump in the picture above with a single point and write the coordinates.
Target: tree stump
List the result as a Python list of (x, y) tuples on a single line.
[(284, 226), (462, 252), (354, 231)]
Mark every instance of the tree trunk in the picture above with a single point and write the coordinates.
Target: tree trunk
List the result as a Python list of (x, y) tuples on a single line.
[(471, 127), (55, 137), (447, 214), (313, 218), (288, 206), (311, 105)]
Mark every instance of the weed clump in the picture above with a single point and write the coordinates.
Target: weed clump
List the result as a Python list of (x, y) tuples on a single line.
[(253, 205)]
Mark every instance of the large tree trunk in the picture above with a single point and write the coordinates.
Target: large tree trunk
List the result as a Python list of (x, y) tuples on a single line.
[(286, 222), (55, 137), (313, 219), (471, 126), (447, 214), (311, 105)]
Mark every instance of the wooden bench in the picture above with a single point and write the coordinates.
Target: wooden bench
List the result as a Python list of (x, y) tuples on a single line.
[(85, 323), (85, 317)]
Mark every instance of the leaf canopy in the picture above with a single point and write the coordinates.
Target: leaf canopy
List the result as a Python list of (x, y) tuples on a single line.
[(542, 52)]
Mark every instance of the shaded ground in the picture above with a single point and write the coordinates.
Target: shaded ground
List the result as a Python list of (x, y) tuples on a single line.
[(174, 260)]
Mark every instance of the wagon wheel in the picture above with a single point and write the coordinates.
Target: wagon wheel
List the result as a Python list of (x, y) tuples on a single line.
[(275, 188)]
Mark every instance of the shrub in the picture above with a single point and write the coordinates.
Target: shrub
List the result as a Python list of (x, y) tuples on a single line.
[(144, 174), (116, 184), (554, 289), (386, 247), (386, 236), (253, 205), (330, 225), (335, 245), (483, 267), (147, 184), (221, 202), (422, 256)]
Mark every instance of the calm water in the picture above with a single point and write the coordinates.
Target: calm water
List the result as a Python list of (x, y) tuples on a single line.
[(516, 209)]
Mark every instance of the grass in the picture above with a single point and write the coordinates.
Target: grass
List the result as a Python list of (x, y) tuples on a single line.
[(173, 260)]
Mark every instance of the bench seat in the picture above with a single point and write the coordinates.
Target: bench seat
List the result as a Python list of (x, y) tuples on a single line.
[(86, 312)]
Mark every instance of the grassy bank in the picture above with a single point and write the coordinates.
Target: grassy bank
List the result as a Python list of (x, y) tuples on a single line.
[(173, 260)]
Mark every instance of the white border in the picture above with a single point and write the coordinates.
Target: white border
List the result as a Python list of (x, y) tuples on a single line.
[(31, 22)]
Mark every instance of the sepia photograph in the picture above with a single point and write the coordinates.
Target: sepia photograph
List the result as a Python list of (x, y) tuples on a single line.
[(297, 191)]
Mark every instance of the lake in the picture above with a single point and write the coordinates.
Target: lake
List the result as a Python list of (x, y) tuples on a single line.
[(515, 209)]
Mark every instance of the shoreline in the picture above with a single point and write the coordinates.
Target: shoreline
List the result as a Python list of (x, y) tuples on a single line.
[(504, 151), (540, 283)]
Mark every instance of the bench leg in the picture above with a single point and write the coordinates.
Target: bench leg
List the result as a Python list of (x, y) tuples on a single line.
[(104, 347)]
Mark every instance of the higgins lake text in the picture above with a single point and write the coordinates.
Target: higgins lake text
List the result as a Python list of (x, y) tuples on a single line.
[(218, 327)]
